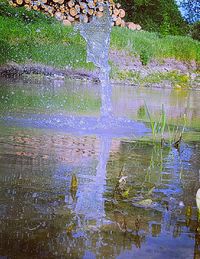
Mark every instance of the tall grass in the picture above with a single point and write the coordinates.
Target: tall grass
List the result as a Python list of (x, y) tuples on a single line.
[(154, 45)]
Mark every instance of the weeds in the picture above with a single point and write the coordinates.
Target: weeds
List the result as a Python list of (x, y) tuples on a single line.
[(176, 78), (174, 134), (144, 57), (157, 128)]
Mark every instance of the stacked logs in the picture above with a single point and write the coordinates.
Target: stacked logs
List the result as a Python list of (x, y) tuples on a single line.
[(72, 11)]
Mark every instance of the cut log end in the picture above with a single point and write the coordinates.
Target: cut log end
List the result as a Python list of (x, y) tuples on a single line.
[(73, 11), (66, 22)]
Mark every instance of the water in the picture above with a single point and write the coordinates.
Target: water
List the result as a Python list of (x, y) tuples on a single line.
[(133, 200), (41, 217), (97, 36)]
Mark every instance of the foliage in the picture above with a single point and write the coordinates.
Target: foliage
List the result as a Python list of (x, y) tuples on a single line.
[(50, 44), (195, 31), (144, 57), (177, 79), (178, 47), (174, 77), (156, 15), (157, 128), (191, 10), (30, 36)]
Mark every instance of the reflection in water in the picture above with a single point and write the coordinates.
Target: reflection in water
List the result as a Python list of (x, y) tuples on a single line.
[(90, 200), (42, 216), (38, 215)]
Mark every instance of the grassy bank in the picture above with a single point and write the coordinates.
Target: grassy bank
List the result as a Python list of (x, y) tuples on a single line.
[(27, 36), (153, 45)]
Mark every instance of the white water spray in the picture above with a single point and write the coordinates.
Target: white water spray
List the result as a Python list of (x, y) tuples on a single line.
[(97, 36)]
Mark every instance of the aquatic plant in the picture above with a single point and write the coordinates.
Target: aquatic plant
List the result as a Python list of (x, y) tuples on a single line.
[(74, 183), (157, 128), (174, 133)]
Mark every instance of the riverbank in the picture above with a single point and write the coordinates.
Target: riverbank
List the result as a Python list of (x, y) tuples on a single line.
[(160, 73), (168, 74), (33, 43)]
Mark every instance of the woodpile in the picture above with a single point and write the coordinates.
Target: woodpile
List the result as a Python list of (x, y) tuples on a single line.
[(133, 26), (73, 11)]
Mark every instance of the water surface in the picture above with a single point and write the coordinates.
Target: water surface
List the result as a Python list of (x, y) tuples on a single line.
[(133, 199)]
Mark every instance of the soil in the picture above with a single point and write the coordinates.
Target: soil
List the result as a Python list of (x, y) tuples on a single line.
[(125, 62), (13, 70)]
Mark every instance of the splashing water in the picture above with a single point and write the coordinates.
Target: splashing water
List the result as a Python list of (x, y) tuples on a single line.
[(97, 36)]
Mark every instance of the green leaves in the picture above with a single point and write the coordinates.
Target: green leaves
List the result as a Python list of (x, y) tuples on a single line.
[(157, 15), (157, 128)]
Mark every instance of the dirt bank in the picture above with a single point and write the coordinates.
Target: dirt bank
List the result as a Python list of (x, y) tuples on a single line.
[(14, 70), (126, 69), (167, 72)]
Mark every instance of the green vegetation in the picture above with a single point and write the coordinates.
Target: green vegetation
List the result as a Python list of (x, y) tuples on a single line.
[(153, 45), (176, 79), (157, 128), (156, 15), (195, 31), (29, 36), (162, 127), (39, 41)]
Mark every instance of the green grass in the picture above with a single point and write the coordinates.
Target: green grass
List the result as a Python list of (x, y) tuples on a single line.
[(29, 36), (151, 45)]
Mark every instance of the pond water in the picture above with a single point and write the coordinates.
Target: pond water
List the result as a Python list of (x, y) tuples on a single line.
[(133, 198)]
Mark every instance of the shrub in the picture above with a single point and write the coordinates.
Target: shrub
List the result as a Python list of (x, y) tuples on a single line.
[(156, 15), (195, 31)]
